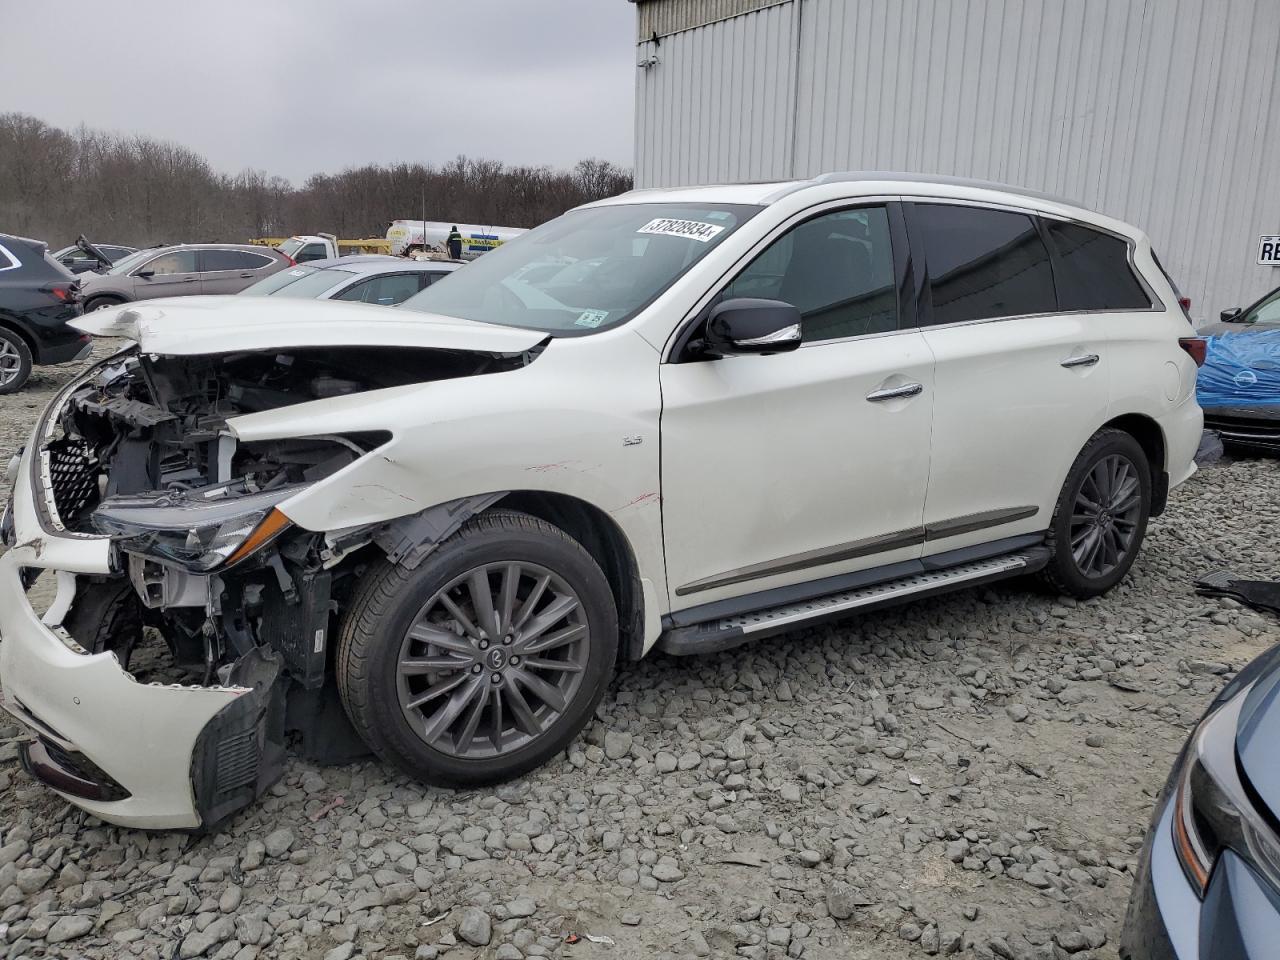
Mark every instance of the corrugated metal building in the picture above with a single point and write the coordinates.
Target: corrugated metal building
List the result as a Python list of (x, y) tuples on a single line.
[(1165, 113)]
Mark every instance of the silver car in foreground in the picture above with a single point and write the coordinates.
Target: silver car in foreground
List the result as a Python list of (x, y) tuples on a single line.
[(363, 278)]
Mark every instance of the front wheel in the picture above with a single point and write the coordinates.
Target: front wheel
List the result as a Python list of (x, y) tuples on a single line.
[(1101, 516), (486, 660)]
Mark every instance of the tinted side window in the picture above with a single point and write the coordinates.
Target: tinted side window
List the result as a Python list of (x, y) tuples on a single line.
[(179, 261), (312, 251), (983, 263), (837, 269), (386, 291), (234, 260), (1093, 270)]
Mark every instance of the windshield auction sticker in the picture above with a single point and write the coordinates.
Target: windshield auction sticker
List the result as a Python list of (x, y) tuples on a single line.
[(690, 229)]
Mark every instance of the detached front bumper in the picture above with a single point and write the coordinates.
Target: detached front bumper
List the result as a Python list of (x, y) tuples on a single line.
[(134, 754)]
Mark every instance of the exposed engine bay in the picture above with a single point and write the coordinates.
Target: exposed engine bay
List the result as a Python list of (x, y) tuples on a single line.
[(212, 585)]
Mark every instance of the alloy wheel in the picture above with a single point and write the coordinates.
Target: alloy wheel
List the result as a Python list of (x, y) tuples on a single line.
[(10, 363), (493, 659), (1104, 517)]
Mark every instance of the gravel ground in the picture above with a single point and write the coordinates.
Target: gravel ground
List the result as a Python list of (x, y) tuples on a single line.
[(972, 774)]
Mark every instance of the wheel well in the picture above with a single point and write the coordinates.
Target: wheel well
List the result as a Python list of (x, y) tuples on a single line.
[(601, 537), (1151, 438), (26, 337)]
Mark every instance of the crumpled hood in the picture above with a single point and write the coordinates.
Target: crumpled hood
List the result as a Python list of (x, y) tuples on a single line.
[(189, 326), (1257, 736)]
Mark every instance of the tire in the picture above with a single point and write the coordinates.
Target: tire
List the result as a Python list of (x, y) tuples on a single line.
[(474, 730), (101, 303), (15, 362), (1093, 549)]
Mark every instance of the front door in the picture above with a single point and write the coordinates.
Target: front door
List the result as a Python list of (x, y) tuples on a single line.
[(791, 467), (1021, 385), (171, 274)]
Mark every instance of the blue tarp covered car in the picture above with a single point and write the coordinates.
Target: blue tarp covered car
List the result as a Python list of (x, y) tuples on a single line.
[(1239, 384)]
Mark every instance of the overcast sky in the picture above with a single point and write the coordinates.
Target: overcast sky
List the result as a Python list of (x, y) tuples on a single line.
[(301, 86)]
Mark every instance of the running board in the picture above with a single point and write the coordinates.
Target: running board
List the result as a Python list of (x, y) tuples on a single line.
[(729, 632)]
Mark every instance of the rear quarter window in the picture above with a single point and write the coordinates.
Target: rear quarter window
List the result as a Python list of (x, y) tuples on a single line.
[(1093, 270)]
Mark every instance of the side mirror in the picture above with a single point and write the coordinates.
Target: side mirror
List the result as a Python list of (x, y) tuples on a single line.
[(145, 274), (1230, 315), (746, 325)]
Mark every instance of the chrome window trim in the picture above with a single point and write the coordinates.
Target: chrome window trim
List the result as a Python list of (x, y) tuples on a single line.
[(1157, 304), (14, 262), (817, 209)]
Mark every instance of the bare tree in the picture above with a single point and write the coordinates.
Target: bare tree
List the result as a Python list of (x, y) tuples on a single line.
[(137, 190)]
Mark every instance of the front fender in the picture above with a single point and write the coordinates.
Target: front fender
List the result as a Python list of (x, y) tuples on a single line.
[(580, 420)]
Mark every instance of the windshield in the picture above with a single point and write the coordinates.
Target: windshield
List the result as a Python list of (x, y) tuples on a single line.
[(291, 246), (1266, 313), (296, 282), (587, 270), (129, 262)]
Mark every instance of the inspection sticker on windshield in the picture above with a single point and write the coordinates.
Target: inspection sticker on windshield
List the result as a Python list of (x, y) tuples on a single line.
[(591, 318), (691, 229)]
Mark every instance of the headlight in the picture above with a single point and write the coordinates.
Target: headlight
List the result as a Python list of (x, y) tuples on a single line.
[(199, 530), (1212, 809)]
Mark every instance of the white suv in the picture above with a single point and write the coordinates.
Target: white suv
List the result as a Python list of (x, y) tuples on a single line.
[(676, 419)]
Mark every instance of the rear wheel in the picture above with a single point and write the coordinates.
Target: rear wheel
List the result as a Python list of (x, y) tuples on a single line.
[(101, 303), (1101, 516), (15, 362), (485, 661)]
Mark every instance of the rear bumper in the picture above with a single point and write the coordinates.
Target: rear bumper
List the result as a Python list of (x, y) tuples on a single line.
[(76, 349), (1247, 426), (1182, 428)]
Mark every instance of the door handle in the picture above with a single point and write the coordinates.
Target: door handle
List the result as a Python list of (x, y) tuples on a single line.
[(246, 276), (896, 393), (1085, 360), (189, 279)]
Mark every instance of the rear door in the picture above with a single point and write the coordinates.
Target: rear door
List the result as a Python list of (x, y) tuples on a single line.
[(175, 273), (230, 271), (1020, 384)]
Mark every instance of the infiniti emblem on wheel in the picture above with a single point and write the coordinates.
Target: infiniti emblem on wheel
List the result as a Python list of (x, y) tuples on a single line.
[(497, 658)]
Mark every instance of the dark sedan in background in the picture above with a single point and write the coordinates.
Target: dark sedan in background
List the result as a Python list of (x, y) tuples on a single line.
[(37, 298), (1208, 885), (1239, 383)]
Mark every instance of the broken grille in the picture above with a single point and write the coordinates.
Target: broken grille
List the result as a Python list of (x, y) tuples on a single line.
[(73, 476)]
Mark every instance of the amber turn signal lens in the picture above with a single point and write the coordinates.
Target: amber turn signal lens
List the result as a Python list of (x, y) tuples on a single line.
[(271, 526)]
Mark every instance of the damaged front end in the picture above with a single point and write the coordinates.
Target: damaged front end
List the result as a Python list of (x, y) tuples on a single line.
[(177, 565)]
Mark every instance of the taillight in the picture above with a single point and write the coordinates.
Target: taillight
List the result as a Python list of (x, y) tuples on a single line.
[(1197, 348), (292, 262), (64, 293), (1185, 304)]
